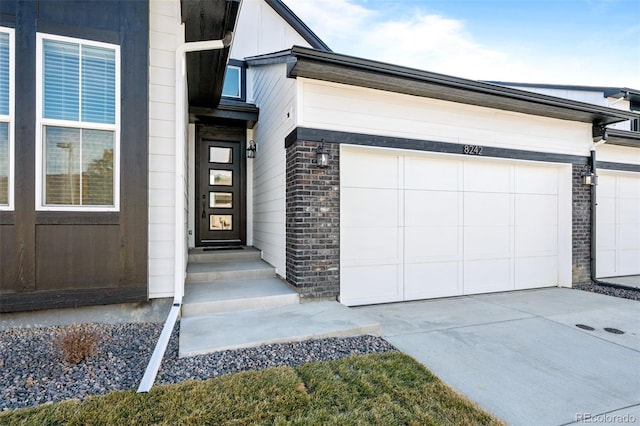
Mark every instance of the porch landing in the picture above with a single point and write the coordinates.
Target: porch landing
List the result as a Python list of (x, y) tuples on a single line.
[(234, 300)]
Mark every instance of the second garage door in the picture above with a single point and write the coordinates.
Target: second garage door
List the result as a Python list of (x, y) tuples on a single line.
[(417, 226), (618, 224)]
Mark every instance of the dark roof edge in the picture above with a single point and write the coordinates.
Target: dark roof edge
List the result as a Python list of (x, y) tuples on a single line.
[(623, 138), (281, 57), (458, 83), (292, 19)]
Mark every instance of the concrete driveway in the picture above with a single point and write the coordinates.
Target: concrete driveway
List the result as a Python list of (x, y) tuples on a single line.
[(521, 356)]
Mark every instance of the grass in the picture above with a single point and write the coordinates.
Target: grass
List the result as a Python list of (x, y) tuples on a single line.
[(377, 389)]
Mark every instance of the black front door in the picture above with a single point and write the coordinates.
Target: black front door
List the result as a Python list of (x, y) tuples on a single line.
[(220, 202)]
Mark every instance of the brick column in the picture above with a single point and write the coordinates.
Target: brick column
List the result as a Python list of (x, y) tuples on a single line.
[(313, 221), (581, 228)]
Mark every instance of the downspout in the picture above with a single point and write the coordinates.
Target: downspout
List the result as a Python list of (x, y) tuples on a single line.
[(180, 118), (594, 201)]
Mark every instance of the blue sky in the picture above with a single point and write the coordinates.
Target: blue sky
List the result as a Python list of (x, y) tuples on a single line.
[(580, 42)]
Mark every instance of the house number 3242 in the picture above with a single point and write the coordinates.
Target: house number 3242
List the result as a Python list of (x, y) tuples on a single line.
[(472, 149)]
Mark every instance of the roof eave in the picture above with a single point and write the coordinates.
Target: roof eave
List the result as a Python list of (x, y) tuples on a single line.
[(207, 20), (623, 138)]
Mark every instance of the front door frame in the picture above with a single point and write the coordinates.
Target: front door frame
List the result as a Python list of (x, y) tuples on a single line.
[(222, 133)]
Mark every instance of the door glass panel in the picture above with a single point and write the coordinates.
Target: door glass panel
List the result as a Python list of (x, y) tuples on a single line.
[(220, 177), (220, 155), (220, 222), (221, 200)]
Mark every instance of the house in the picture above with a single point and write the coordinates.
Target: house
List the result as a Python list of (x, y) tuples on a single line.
[(131, 132)]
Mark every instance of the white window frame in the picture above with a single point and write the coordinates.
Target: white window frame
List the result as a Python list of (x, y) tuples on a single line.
[(11, 117), (41, 122)]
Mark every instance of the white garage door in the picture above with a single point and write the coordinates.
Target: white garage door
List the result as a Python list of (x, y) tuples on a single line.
[(416, 226), (618, 224)]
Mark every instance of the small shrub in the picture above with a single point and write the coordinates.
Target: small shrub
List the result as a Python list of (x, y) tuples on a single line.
[(77, 342)]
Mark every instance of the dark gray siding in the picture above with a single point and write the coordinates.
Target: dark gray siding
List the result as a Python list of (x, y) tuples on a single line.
[(59, 259)]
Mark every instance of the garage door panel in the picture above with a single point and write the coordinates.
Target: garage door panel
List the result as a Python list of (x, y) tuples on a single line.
[(536, 272), (629, 187), (606, 186), (536, 241), (629, 262), (487, 209), (427, 173), (435, 208), (536, 209), (364, 246), (606, 263), (629, 211), (427, 280), (535, 180), (432, 244), (606, 210), (370, 284), (488, 242), (606, 236), (487, 177), (486, 276), (630, 237), (369, 171), (370, 208)]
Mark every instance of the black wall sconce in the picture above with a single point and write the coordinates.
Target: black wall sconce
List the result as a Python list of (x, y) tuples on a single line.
[(322, 156), (251, 149), (588, 176)]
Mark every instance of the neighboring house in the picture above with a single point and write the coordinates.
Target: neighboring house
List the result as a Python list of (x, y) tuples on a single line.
[(434, 185)]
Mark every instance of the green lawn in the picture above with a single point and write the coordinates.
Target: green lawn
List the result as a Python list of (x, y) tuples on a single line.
[(378, 389)]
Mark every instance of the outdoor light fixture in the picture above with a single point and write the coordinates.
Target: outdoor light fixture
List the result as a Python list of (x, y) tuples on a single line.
[(322, 156), (251, 149), (590, 178)]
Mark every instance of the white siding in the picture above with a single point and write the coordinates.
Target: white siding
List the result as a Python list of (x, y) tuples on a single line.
[(164, 36), (360, 110), (618, 154), (275, 96), (261, 30)]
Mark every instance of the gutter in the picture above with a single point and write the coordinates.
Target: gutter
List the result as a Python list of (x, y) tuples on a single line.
[(181, 118)]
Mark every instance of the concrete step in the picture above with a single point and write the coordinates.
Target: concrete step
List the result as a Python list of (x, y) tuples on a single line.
[(232, 270), (236, 295), (292, 323), (209, 255)]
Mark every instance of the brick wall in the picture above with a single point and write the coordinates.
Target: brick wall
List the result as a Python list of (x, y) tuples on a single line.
[(313, 221), (581, 228)]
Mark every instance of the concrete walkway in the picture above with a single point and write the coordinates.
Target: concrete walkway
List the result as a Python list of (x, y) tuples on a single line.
[(521, 356)]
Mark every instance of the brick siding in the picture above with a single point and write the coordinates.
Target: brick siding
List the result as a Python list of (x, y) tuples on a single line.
[(581, 228), (313, 221)]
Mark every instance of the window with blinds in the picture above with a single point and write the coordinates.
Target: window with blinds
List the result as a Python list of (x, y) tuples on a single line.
[(6, 160), (78, 123)]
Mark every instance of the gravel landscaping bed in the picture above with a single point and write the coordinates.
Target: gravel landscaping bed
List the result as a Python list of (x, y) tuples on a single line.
[(610, 291), (32, 371)]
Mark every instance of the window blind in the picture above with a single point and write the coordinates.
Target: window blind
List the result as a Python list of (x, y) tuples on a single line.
[(4, 74), (61, 80), (98, 85)]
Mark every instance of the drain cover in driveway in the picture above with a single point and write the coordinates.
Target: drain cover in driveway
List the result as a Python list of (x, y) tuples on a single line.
[(585, 327), (613, 330)]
